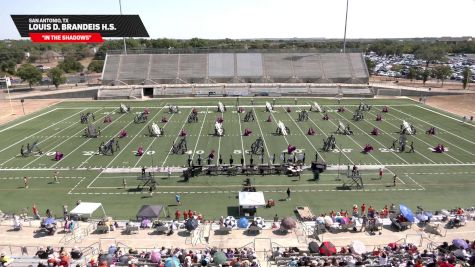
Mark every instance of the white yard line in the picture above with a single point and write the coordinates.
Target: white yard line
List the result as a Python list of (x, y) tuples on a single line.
[(219, 141), (153, 140), (354, 124), (384, 121), (260, 129), (199, 135), (93, 180), (64, 141), (304, 134), (32, 118), (414, 181), (439, 128), (339, 147), (442, 114), (89, 139), (40, 131), (42, 141), (178, 135), (133, 138), (425, 141)]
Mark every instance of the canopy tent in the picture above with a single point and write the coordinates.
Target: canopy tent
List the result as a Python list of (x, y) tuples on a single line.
[(87, 208), (251, 199), (150, 211)]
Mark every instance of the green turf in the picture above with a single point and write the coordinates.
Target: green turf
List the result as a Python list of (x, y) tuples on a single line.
[(425, 178)]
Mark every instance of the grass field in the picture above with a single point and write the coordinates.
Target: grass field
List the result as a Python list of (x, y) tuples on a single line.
[(426, 178)]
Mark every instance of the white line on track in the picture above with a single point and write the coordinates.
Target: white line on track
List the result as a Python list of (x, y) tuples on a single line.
[(414, 181)]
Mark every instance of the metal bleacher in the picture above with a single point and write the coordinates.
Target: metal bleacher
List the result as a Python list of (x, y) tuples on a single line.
[(235, 68)]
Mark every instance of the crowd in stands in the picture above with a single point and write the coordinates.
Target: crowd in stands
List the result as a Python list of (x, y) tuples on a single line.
[(393, 254)]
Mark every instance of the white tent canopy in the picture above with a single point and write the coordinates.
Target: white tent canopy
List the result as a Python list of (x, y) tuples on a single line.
[(251, 199), (87, 208)]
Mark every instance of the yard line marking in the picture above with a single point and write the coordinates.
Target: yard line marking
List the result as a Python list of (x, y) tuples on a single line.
[(178, 135), (414, 181), (339, 147), (199, 134), (131, 140), (47, 138), (303, 133), (74, 135), (437, 127), (153, 140), (354, 124), (219, 141), (441, 114), (369, 153), (423, 140), (89, 139), (75, 114), (32, 118), (74, 187), (414, 136), (260, 129)]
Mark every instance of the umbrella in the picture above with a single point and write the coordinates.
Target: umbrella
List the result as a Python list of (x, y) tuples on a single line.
[(313, 247), (219, 257), (49, 220), (172, 262), (358, 247), (243, 222), (155, 256), (191, 224), (288, 223), (407, 213), (460, 243), (327, 248), (422, 217)]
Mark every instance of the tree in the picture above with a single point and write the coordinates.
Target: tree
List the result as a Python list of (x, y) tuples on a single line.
[(69, 65), (412, 74), (96, 66), (8, 67), (430, 53), (442, 72), (57, 76), (370, 65), (29, 73), (425, 75), (467, 75)]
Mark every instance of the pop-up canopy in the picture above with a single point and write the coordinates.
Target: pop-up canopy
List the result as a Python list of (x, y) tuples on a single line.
[(87, 208), (251, 199)]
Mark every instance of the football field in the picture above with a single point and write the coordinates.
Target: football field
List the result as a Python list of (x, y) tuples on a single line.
[(426, 178)]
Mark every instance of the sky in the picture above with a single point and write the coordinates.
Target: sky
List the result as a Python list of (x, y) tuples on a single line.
[(250, 19)]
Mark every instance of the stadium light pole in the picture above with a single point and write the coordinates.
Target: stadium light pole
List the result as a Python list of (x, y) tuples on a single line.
[(344, 35), (125, 45)]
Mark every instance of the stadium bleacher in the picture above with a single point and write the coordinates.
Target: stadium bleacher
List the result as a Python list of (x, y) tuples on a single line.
[(235, 68)]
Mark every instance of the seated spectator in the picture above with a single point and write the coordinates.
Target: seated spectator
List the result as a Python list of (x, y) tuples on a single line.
[(76, 253), (41, 253)]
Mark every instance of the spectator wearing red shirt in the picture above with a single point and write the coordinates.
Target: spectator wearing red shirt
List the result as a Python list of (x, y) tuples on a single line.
[(177, 215), (185, 215), (363, 208), (190, 214)]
